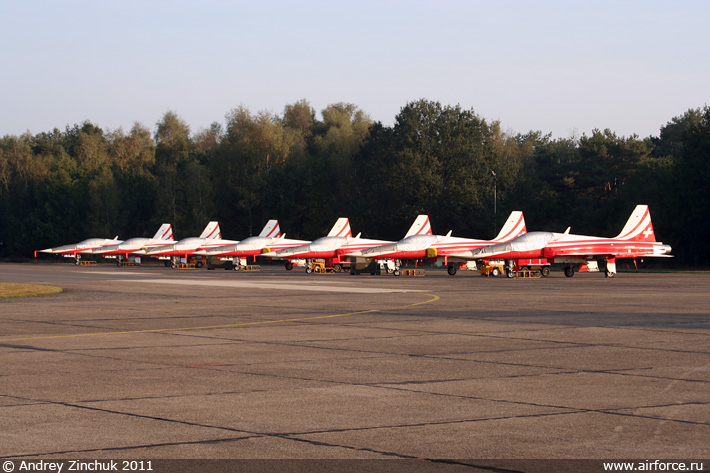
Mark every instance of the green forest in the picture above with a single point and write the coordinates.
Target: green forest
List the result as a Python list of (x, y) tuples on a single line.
[(61, 187)]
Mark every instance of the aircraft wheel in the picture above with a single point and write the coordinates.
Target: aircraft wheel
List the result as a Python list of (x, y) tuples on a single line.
[(289, 266), (236, 267), (119, 263), (198, 264), (545, 271), (609, 274), (495, 272), (510, 273), (338, 268), (569, 271), (77, 262), (309, 270), (451, 269), (396, 272)]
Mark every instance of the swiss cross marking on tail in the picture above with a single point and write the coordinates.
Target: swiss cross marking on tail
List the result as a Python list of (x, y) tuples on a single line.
[(648, 232)]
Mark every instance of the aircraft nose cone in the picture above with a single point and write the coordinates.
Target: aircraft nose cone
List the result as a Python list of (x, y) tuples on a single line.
[(482, 252), (286, 252), (380, 250), (161, 249), (62, 248)]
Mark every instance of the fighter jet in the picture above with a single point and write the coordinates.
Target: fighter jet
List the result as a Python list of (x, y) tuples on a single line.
[(133, 248), (637, 239), (270, 239), (211, 237), (426, 245), (337, 243), (83, 247)]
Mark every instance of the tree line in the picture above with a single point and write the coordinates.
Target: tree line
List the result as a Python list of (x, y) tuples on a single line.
[(64, 186)]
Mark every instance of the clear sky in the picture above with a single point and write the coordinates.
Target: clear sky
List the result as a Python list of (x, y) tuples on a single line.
[(561, 67)]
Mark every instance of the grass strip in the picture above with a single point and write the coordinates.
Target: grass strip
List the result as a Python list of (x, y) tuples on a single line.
[(9, 290)]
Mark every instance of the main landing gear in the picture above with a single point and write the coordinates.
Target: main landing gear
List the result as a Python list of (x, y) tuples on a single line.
[(397, 271)]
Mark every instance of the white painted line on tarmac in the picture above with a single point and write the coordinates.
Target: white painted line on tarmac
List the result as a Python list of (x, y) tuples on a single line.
[(269, 286)]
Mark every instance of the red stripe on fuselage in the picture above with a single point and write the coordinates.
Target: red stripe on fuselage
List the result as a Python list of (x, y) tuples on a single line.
[(416, 254)]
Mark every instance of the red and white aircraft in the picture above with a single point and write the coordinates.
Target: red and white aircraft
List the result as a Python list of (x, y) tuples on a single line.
[(339, 242), (133, 248), (270, 239), (211, 237), (423, 244), (635, 240), (83, 247)]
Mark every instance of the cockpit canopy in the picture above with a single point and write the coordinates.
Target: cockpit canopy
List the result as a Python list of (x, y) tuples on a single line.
[(328, 243), (531, 241), (524, 243), (416, 242)]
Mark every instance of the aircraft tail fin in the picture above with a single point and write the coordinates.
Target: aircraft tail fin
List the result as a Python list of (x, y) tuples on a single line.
[(639, 226), (421, 226), (212, 231), (271, 229), (341, 228), (513, 227), (165, 232)]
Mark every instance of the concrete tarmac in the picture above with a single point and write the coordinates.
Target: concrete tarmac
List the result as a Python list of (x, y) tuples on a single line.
[(150, 362)]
